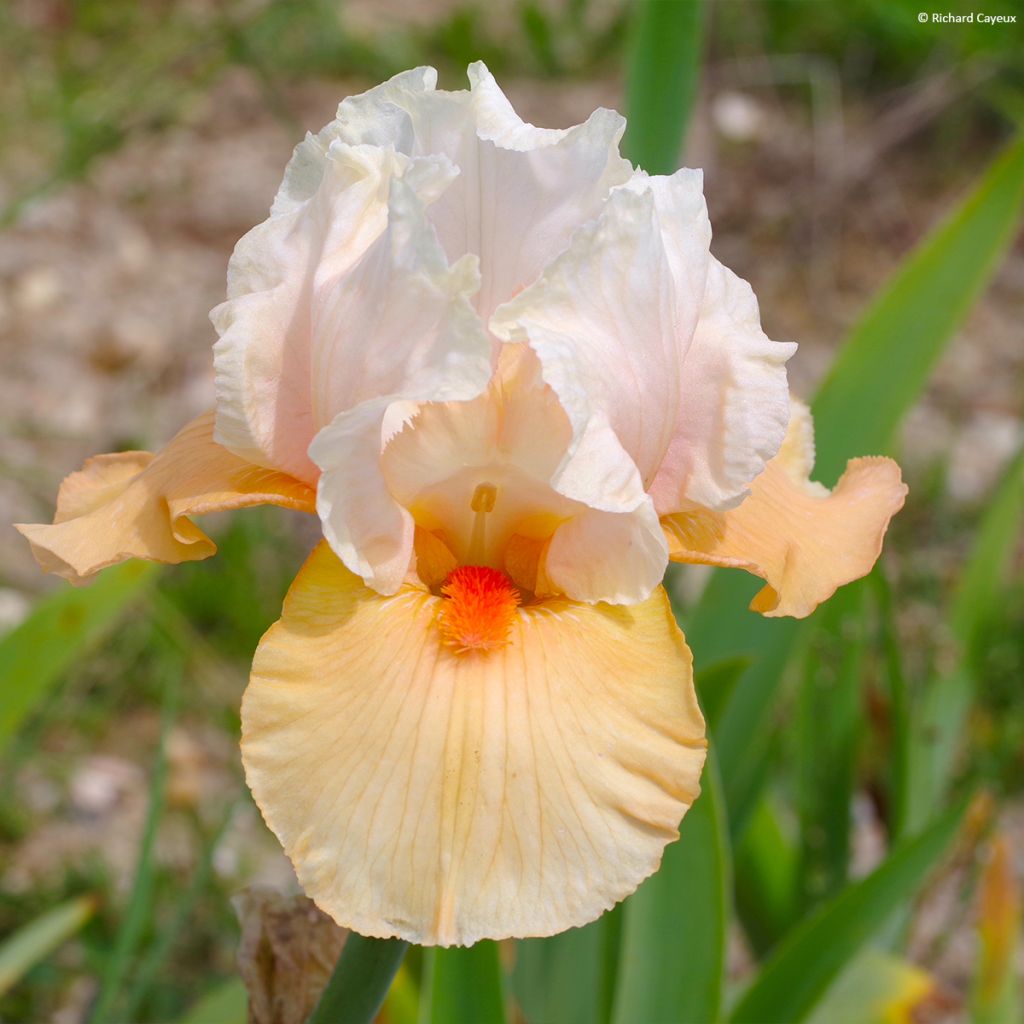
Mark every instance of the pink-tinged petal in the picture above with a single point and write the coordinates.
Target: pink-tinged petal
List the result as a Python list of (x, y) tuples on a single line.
[(521, 192), (734, 402), (332, 207), (411, 312), (799, 537), (601, 320), (619, 557), (682, 222), (445, 797), (371, 533), (664, 344), (400, 323), (305, 170), (136, 504)]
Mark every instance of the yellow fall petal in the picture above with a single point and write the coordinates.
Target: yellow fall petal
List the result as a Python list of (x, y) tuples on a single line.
[(802, 539), (135, 504), (447, 797)]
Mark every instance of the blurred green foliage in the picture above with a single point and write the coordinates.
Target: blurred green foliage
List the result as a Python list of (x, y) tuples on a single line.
[(823, 713), (197, 633)]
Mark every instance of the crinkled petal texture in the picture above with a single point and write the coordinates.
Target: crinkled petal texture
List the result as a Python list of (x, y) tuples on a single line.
[(421, 227), (405, 301), (446, 798), (802, 539), (136, 504), (521, 191), (490, 186), (408, 215), (643, 334), (320, 298), (733, 402)]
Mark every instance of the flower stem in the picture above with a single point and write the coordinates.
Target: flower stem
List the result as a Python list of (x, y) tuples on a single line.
[(360, 981)]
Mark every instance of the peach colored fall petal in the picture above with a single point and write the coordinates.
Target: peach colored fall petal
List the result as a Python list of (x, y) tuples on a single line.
[(799, 537), (136, 504), (446, 797)]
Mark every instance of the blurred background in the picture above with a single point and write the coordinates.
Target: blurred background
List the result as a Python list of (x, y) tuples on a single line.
[(139, 139)]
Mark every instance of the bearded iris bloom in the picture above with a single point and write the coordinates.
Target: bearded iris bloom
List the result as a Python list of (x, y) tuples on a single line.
[(504, 370)]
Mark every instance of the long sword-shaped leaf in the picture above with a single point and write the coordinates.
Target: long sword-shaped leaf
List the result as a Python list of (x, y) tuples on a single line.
[(661, 80), (877, 988), (39, 938), (563, 978), (463, 984), (149, 968), (675, 929), (360, 981), (59, 631), (767, 869), (140, 901), (939, 720), (977, 590), (742, 730), (901, 723), (879, 374), (830, 716), (811, 957), (891, 353)]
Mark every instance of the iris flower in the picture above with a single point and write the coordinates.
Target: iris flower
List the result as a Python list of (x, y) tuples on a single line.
[(504, 370)]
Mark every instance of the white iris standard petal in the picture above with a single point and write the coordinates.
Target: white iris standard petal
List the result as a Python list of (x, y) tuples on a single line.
[(409, 313), (414, 236), (600, 318), (281, 275), (521, 192)]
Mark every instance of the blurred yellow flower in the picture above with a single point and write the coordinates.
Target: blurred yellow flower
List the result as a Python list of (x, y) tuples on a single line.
[(505, 371)]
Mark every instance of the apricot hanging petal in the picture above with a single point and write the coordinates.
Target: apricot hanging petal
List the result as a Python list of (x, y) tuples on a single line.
[(802, 539), (137, 505), (446, 797)]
